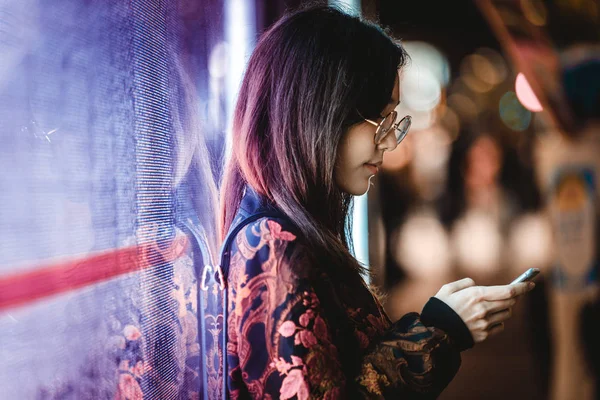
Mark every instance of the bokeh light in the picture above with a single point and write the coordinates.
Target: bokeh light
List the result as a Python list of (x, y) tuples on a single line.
[(531, 242), (490, 66), (464, 106), (423, 79), (513, 114), (478, 243), (534, 11), (422, 246), (421, 89), (425, 56), (526, 95), (450, 121)]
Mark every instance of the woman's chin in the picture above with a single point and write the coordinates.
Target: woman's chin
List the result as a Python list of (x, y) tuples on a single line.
[(362, 189), (359, 187)]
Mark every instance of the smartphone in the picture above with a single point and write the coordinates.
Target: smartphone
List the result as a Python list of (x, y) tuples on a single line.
[(526, 276)]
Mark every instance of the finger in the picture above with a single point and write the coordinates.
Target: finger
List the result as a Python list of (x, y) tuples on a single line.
[(496, 329), (500, 305), (499, 317), (493, 293), (459, 285)]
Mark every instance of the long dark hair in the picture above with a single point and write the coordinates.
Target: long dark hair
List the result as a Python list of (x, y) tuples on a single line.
[(308, 78)]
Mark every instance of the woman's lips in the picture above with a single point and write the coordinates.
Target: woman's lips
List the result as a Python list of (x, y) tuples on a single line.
[(372, 168)]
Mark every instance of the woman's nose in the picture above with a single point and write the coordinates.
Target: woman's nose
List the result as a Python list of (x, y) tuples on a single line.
[(388, 143)]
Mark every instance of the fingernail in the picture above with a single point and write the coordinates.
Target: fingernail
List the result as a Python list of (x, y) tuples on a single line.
[(531, 285)]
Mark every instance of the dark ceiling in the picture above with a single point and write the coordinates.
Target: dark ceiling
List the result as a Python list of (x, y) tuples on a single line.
[(457, 28)]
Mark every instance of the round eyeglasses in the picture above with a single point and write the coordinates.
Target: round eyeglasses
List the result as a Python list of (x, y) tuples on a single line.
[(388, 123)]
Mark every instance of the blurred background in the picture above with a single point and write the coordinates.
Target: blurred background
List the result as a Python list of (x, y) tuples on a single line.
[(114, 128)]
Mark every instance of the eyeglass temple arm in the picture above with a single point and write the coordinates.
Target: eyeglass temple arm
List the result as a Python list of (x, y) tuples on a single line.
[(372, 122)]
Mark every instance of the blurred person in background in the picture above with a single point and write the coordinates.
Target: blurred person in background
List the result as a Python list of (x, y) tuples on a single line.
[(490, 197), (491, 210)]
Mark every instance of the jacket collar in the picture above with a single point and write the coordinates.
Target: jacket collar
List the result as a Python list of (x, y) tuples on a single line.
[(253, 203)]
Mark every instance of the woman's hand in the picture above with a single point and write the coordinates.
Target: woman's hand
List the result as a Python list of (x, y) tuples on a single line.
[(483, 308)]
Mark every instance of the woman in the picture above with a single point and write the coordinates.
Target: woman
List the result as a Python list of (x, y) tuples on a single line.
[(314, 117)]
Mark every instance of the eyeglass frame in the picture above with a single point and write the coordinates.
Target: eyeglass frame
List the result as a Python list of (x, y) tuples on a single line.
[(395, 125)]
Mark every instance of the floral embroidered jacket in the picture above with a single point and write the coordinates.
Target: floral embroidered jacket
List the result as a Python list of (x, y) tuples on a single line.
[(291, 336)]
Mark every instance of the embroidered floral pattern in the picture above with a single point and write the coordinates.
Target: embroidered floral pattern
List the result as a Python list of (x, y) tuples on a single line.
[(278, 234), (278, 315), (268, 297), (371, 380)]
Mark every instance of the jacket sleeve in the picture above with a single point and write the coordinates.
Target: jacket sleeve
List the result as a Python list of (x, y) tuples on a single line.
[(415, 358)]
